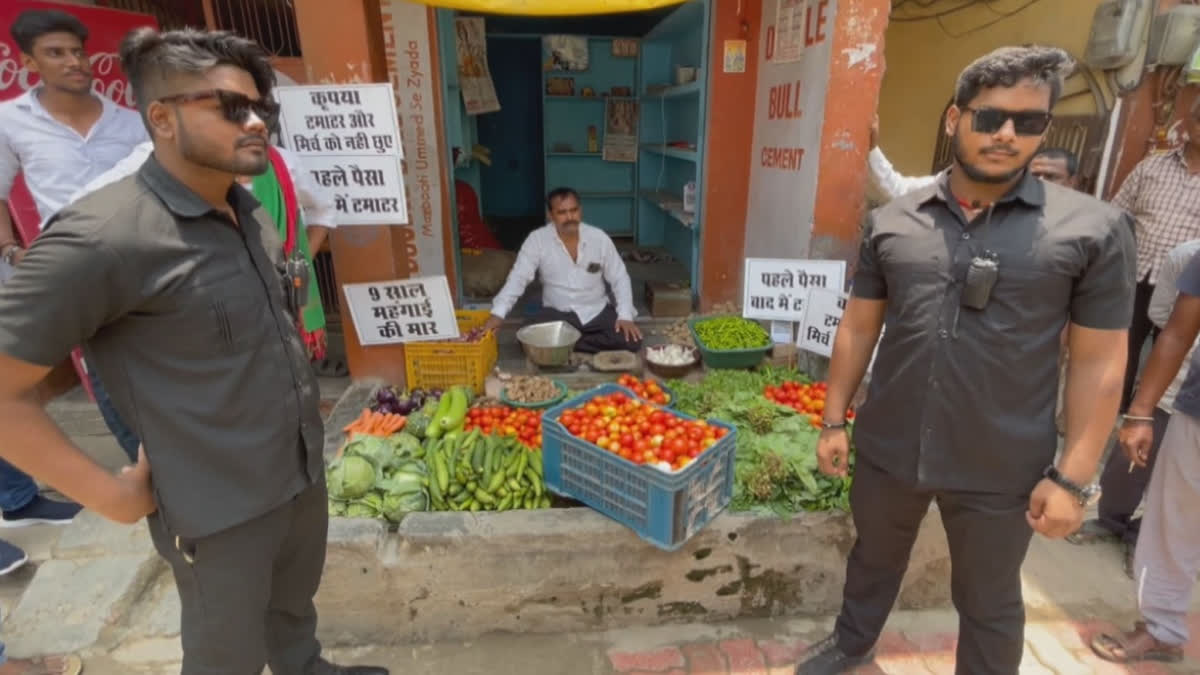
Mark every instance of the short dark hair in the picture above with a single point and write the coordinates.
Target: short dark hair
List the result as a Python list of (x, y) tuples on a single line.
[(1064, 154), (34, 23), (1006, 66), (152, 60), (560, 193)]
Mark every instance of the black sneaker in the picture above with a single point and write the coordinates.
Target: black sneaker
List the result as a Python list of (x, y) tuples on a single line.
[(41, 511), (11, 558), (824, 658)]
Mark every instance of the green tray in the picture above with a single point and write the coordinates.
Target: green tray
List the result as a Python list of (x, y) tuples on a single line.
[(562, 393), (726, 358)]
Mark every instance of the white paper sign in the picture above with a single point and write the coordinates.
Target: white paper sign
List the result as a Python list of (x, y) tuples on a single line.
[(366, 190), (783, 332), (340, 119), (403, 310), (821, 321), (777, 290)]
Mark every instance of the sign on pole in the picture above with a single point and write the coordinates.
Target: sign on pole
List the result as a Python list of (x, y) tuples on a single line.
[(821, 320), (777, 290), (403, 310)]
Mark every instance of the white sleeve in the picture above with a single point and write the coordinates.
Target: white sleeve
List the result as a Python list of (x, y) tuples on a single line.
[(315, 201), (524, 270), (1166, 290), (618, 277), (10, 165), (884, 183)]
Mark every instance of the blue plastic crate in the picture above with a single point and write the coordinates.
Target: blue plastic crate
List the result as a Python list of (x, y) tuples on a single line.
[(665, 509)]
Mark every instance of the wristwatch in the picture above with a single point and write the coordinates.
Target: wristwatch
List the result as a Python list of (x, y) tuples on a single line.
[(827, 426), (1086, 494)]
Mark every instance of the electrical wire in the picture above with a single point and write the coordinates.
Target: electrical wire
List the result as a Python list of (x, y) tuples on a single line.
[(989, 24), (933, 15)]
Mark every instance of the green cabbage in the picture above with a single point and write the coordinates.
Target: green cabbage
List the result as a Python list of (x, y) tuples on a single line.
[(337, 508), (401, 483), (404, 444), (360, 510), (396, 506), (350, 477), (378, 451)]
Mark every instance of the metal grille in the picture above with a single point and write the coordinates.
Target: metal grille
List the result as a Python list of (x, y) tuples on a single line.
[(271, 23)]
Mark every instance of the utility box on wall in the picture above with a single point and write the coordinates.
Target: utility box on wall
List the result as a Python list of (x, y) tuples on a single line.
[(1117, 30), (1173, 36)]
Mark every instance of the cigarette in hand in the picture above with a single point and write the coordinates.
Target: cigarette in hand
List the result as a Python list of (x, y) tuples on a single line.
[(1131, 465)]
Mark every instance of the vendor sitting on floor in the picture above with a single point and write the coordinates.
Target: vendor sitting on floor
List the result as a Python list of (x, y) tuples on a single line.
[(574, 260)]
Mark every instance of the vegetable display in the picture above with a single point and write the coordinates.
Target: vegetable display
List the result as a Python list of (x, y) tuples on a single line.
[(806, 398), (520, 423), (640, 432), (397, 402), (378, 477), (474, 472), (671, 355), (728, 333), (776, 467), (647, 390)]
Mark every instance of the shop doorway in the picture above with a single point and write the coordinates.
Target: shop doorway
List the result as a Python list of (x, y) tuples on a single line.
[(612, 106)]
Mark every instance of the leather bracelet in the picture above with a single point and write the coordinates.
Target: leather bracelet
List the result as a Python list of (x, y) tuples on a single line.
[(828, 426), (1136, 418)]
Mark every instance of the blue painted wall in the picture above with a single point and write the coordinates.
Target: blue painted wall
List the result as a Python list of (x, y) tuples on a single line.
[(512, 184)]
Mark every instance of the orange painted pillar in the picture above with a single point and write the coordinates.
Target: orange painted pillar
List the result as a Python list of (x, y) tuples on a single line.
[(343, 42), (855, 74), (729, 142)]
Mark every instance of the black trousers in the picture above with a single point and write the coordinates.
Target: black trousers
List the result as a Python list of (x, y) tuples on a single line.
[(1122, 490), (1140, 328), (247, 593), (599, 335), (988, 537)]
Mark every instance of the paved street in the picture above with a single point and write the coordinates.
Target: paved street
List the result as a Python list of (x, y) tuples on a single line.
[(1071, 592)]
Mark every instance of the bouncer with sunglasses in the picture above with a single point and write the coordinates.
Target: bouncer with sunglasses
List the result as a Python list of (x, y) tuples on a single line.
[(170, 280), (977, 276)]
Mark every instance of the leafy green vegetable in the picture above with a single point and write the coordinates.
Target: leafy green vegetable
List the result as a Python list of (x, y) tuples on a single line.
[(396, 506), (776, 466), (404, 444), (350, 478), (376, 450), (361, 510)]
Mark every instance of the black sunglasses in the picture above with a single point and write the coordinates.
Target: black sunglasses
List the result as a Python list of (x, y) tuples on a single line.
[(234, 106), (1025, 123)]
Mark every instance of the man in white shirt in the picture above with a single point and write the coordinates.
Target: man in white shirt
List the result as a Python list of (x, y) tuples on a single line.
[(59, 134), (574, 261)]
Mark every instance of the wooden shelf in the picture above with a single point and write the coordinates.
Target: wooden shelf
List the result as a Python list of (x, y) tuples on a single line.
[(589, 99), (676, 91), (574, 154), (672, 205), (686, 154), (606, 195)]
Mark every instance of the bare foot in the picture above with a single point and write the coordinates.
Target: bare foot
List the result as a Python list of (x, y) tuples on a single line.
[(69, 664)]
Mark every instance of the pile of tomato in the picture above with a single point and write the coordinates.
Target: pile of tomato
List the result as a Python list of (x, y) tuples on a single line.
[(647, 390), (522, 423), (804, 398), (640, 432)]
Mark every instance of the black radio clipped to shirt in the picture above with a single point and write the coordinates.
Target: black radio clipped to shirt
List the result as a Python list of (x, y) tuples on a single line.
[(296, 278), (982, 274)]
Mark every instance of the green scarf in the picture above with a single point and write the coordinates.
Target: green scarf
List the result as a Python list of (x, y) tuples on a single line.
[(282, 206)]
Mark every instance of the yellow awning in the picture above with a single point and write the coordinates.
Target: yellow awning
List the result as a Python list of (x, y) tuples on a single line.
[(551, 7)]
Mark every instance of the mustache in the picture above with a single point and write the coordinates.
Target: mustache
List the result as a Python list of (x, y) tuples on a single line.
[(1003, 149), (251, 140)]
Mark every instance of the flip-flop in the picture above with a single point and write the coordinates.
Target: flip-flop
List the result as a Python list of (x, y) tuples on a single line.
[(1135, 647)]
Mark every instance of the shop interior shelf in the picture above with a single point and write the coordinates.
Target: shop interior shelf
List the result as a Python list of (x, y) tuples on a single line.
[(605, 195), (687, 154), (672, 205), (574, 154), (675, 91), (589, 99)]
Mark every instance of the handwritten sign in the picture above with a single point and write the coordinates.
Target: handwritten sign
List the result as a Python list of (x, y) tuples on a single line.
[(403, 310), (821, 321), (348, 138), (777, 290)]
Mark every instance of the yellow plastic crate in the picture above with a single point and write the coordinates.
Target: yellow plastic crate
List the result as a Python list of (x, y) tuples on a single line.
[(440, 365)]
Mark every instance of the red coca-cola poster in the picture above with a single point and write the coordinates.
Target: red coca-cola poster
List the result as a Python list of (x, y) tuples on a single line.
[(106, 28)]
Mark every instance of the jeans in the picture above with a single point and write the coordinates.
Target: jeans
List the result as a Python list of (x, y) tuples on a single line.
[(125, 437), (17, 489)]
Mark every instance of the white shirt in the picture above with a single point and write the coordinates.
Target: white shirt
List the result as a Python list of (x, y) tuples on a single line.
[(1163, 301), (569, 285), (54, 158), (884, 183), (315, 202)]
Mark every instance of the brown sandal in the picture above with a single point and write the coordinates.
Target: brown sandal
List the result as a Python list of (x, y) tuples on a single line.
[(1135, 647)]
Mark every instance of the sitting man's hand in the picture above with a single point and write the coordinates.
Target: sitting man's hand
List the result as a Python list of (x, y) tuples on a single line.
[(493, 323), (629, 330)]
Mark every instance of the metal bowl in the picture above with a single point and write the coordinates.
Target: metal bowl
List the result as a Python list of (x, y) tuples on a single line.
[(670, 372), (549, 344)]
